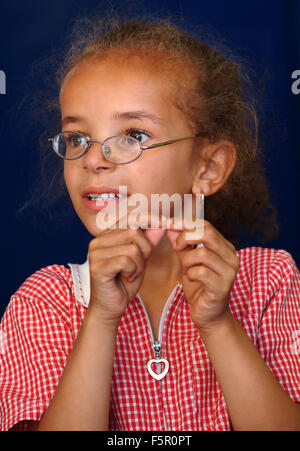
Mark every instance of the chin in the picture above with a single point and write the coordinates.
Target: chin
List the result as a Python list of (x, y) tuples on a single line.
[(88, 221), (91, 226)]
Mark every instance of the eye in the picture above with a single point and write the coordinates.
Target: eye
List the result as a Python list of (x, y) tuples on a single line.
[(76, 140), (138, 134)]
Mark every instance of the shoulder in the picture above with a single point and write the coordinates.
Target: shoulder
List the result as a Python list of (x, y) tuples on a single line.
[(37, 333), (252, 258), (269, 311), (48, 288), (46, 280), (273, 265), (265, 275)]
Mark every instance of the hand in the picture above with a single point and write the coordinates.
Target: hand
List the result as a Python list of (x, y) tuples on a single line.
[(208, 273), (117, 259)]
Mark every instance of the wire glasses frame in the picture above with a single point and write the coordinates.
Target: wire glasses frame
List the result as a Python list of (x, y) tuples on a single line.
[(105, 145)]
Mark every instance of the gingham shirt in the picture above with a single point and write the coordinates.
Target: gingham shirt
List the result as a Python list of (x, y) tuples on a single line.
[(44, 316)]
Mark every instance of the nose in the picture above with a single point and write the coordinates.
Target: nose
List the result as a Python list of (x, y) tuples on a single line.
[(93, 159)]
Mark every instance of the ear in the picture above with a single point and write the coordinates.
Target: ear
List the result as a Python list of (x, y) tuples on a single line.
[(214, 167)]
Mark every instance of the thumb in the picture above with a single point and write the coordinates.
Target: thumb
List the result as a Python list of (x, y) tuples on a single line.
[(172, 236)]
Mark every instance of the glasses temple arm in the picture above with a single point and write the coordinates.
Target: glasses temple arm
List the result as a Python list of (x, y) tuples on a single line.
[(165, 143)]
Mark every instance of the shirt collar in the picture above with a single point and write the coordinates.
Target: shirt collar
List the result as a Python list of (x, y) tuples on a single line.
[(81, 279)]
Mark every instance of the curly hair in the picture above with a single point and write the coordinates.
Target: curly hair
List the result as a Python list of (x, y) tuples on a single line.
[(213, 90)]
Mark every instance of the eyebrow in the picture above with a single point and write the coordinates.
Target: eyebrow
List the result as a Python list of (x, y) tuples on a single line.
[(71, 119), (140, 115), (137, 115)]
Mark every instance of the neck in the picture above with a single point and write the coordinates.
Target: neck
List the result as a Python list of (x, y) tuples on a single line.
[(163, 264)]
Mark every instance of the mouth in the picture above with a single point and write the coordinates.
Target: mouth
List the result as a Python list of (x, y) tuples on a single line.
[(97, 198), (104, 196)]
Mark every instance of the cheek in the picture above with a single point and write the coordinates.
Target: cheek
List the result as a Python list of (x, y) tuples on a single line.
[(69, 177), (178, 166), (166, 173), (66, 176)]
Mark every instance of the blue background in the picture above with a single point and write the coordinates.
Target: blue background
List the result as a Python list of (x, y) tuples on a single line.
[(268, 31)]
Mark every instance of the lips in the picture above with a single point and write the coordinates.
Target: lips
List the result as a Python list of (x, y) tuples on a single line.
[(104, 189), (97, 205)]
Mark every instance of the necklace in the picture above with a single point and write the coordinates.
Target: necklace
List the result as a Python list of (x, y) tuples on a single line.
[(157, 360)]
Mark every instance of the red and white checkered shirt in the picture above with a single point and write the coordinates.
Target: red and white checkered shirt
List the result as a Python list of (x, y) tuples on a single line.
[(44, 316)]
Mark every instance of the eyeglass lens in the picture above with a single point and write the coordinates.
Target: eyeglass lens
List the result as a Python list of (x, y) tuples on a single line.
[(117, 149)]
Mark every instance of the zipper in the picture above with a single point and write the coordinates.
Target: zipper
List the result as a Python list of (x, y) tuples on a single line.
[(158, 341), (156, 344)]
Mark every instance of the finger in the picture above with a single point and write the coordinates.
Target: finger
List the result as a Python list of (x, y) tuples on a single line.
[(154, 235), (213, 240), (128, 250), (152, 224), (111, 266), (206, 257), (173, 235), (206, 276), (111, 238), (190, 228), (133, 251), (184, 223)]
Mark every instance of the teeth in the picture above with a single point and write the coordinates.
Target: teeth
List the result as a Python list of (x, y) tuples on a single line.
[(104, 196)]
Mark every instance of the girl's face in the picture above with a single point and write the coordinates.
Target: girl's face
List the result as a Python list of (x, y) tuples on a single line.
[(105, 98)]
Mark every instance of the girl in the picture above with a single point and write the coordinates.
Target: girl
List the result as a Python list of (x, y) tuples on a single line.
[(156, 331)]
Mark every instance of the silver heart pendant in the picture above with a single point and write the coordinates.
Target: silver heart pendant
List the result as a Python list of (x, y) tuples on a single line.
[(156, 376)]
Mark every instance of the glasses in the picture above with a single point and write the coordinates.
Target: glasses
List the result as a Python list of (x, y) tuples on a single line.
[(120, 149)]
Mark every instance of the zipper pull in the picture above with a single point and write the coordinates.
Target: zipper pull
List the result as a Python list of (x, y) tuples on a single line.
[(157, 350)]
